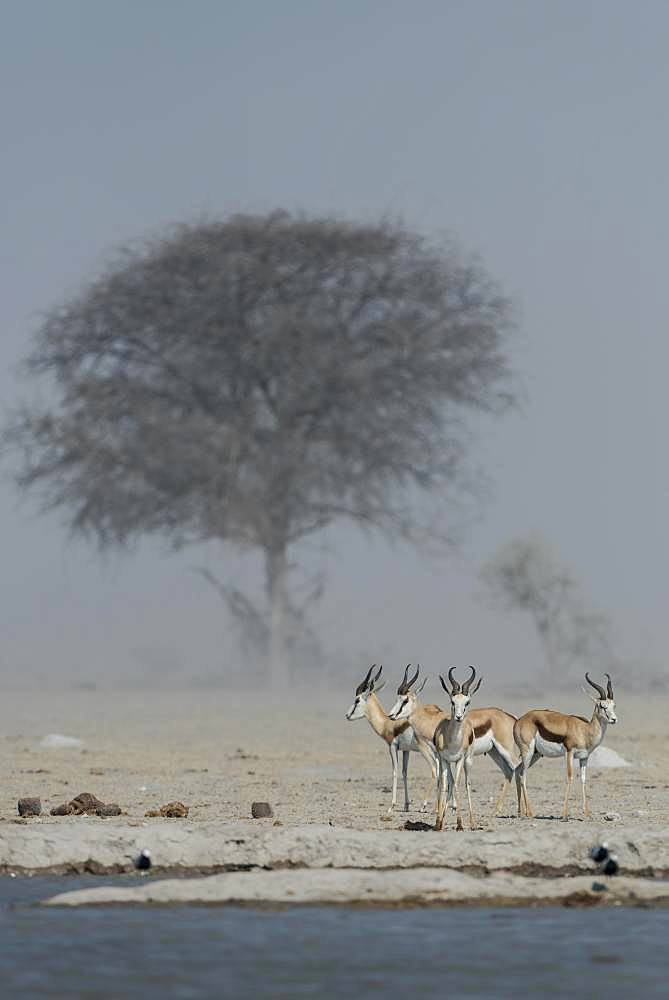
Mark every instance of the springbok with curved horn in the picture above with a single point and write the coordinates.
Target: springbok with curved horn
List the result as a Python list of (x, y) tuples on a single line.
[(544, 733), (493, 727), (454, 741), (398, 735)]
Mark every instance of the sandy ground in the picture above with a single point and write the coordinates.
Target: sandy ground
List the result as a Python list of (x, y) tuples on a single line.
[(218, 751), (328, 781)]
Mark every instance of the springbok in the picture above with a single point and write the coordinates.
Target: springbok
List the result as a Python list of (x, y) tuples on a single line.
[(544, 733), (398, 735), (454, 740), (493, 727)]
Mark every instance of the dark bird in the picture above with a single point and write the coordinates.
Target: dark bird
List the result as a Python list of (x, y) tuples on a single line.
[(610, 866), (600, 853), (143, 860)]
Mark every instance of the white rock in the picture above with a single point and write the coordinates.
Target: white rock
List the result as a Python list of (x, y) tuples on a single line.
[(54, 741), (612, 816), (605, 757)]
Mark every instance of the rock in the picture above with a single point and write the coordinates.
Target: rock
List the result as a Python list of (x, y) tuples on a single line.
[(111, 809), (173, 810), (62, 810), (86, 804), (612, 817), (29, 807), (261, 810), (55, 741), (604, 757), (417, 825)]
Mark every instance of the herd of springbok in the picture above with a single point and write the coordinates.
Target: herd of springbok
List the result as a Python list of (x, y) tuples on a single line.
[(450, 741)]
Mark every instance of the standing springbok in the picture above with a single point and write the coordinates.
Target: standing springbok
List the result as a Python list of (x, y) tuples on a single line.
[(493, 727), (544, 733), (398, 735), (454, 740)]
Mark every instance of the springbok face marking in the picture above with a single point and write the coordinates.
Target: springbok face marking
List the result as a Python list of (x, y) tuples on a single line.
[(460, 693), (403, 707), (406, 698), (460, 704), (607, 708), (605, 705), (364, 690), (357, 709)]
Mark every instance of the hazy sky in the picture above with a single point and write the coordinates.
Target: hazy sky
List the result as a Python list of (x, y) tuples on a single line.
[(537, 131)]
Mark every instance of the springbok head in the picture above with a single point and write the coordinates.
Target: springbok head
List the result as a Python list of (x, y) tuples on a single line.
[(406, 697), (368, 686), (460, 693), (605, 705)]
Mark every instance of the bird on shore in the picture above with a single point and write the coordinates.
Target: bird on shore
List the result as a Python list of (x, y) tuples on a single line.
[(143, 860), (610, 866), (600, 853), (607, 863)]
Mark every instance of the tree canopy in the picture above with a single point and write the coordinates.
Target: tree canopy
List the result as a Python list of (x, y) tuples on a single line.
[(253, 379)]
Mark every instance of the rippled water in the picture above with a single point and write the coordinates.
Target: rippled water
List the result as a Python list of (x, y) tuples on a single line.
[(186, 951)]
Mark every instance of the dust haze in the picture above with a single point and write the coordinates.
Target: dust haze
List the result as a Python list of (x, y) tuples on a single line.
[(532, 133)]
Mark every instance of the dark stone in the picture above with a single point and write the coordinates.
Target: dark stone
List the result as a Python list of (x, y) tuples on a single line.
[(85, 802), (30, 807), (111, 809), (61, 810), (417, 825), (261, 810), (173, 810)]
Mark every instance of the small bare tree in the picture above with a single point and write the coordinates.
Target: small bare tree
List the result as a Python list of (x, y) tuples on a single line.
[(253, 379), (526, 575)]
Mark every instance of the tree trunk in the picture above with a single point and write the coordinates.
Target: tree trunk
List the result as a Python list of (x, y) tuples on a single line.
[(276, 569)]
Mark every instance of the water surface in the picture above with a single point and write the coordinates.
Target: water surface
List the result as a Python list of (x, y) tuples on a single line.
[(188, 951)]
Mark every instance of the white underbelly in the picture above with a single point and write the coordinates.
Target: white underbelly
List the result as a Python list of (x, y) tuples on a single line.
[(483, 744), (548, 748), (407, 740)]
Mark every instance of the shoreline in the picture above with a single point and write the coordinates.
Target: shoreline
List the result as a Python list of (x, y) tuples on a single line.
[(256, 863)]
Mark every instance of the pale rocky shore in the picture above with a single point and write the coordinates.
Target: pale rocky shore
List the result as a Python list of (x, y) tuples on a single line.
[(532, 849), (409, 887), (314, 864)]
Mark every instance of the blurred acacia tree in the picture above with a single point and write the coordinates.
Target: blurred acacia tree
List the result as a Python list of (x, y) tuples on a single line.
[(252, 380), (526, 575)]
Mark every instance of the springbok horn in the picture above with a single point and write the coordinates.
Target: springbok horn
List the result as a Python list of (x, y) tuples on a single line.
[(403, 688), (468, 683), (455, 685), (421, 685), (414, 678), (597, 687), (377, 675), (609, 687), (365, 683)]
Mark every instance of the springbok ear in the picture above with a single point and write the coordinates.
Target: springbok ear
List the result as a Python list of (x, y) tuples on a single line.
[(590, 695), (476, 686), (379, 687), (421, 686)]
